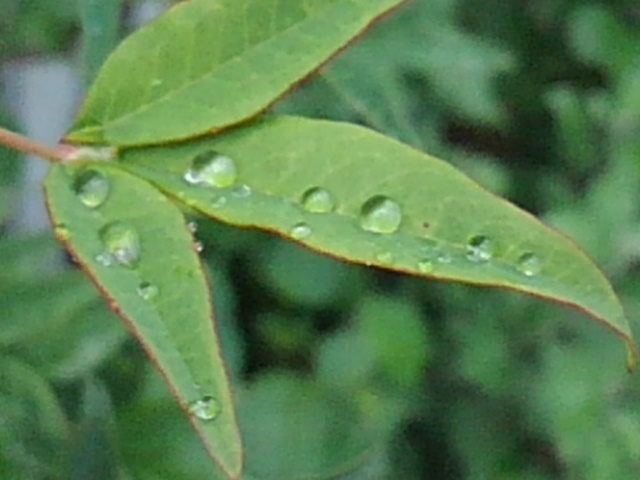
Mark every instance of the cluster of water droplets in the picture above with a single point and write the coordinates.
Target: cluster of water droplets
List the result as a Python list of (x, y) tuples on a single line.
[(378, 214)]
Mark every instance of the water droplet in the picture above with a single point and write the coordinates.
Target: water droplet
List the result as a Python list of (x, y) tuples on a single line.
[(106, 259), (242, 191), (479, 249), (385, 258), (122, 243), (318, 200), (300, 230), (443, 256), (207, 408), (212, 169), (219, 201), (380, 214), (147, 291), (425, 266), (198, 246), (529, 264), (192, 227), (92, 188)]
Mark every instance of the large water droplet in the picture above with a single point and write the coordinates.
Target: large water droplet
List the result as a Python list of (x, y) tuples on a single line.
[(92, 188), (318, 200), (147, 291), (380, 214), (480, 249), (300, 230), (122, 243), (529, 264), (207, 408), (212, 169)]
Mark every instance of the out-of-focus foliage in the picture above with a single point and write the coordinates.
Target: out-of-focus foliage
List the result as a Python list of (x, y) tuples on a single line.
[(352, 372)]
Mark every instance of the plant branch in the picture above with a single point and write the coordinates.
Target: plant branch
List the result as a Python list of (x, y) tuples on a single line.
[(28, 146)]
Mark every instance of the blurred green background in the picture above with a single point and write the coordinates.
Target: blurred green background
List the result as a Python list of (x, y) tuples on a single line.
[(346, 372)]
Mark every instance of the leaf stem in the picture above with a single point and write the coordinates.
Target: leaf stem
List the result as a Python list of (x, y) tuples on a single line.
[(29, 146)]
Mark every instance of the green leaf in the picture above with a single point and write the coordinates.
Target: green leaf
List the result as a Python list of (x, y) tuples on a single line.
[(134, 244), (449, 227), (210, 64)]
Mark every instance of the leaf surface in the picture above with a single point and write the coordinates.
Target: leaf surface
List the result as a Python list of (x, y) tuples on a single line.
[(161, 292), (208, 64), (439, 223)]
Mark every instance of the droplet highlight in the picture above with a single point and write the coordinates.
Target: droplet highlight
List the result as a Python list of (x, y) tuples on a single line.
[(529, 264), (198, 246), (300, 230), (207, 408), (192, 227), (318, 200), (122, 243), (380, 214), (213, 169), (147, 291), (480, 249), (92, 188)]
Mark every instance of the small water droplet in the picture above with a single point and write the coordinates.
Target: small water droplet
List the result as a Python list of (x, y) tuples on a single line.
[(242, 191), (425, 266), (192, 227), (122, 243), (198, 246), (219, 201), (213, 169), (147, 291), (92, 188), (300, 230), (385, 258), (106, 259), (529, 264), (318, 200), (380, 214), (207, 408), (479, 249), (444, 257)]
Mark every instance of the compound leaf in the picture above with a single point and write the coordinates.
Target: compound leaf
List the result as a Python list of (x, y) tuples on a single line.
[(134, 244), (350, 192), (208, 64)]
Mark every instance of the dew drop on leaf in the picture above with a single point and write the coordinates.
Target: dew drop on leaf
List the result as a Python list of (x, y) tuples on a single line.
[(479, 249), (106, 259), (192, 227), (443, 256), (425, 266), (213, 169), (385, 258), (122, 243), (300, 230), (318, 200), (198, 246), (147, 291), (380, 214), (219, 201), (529, 264), (242, 191), (92, 188), (207, 408)]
